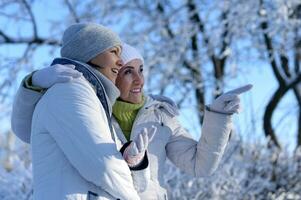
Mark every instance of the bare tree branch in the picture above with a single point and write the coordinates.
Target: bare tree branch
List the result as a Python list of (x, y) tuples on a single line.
[(6, 38), (284, 64), (33, 20), (297, 56), (72, 11), (276, 98), (270, 50), (9, 40), (195, 71), (35, 39), (283, 86)]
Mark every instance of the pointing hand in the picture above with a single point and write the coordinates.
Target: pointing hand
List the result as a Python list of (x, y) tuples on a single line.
[(229, 102)]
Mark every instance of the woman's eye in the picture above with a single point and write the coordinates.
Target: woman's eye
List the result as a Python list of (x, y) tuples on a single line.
[(128, 72), (114, 52)]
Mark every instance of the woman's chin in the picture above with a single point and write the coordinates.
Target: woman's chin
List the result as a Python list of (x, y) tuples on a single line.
[(135, 100)]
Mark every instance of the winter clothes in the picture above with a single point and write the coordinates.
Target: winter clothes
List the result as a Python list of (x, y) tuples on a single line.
[(23, 107), (84, 41), (73, 153), (125, 114), (28, 83), (105, 90), (130, 53), (172, 141), (80, 158)]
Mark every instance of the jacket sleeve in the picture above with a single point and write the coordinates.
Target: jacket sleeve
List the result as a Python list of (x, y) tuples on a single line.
[(200, 158), (141, 179), (77, 121), (140, 173), (22, 112)]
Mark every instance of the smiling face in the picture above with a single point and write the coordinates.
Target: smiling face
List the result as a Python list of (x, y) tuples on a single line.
[(130, 81), (109, 62)]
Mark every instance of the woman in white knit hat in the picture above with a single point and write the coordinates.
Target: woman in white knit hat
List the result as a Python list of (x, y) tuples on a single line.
[(134, 111), (74, 154)]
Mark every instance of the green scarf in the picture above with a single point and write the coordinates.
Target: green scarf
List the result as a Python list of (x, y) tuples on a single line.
[(125, 114)]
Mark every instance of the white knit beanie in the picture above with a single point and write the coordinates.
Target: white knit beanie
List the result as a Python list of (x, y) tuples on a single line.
[(129, 53), (84, 41)]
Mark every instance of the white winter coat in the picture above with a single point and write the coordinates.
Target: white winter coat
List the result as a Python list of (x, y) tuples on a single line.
[(171, 141), (73, 154)]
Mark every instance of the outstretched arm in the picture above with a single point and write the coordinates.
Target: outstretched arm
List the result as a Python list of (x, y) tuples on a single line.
[(202, 158)]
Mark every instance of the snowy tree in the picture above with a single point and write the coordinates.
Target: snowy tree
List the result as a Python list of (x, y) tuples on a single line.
[(280, 29)]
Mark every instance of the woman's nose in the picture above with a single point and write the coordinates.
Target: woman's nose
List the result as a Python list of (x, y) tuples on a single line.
[(138, 79), (119, 62)]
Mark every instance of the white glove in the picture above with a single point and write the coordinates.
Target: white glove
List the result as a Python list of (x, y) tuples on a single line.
[(58, 73), (229, 102), (134, 153)]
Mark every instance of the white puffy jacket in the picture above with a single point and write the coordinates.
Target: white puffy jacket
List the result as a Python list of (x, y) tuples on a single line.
[(73, 154), (171, 140)]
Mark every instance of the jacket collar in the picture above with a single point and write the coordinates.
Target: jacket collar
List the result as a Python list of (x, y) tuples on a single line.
[(111, 91), (151, 102)]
